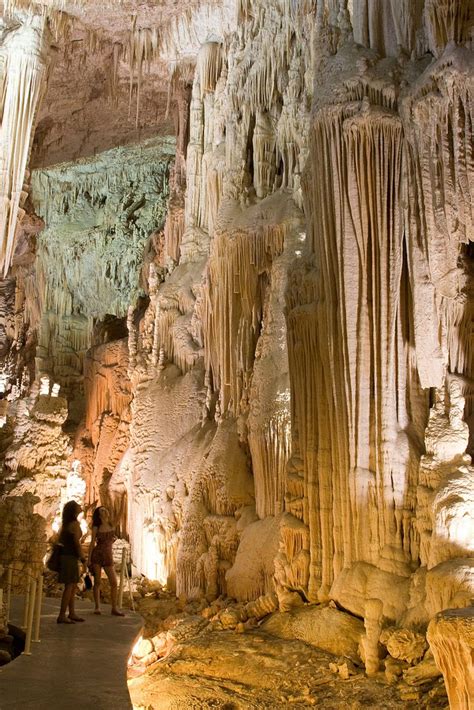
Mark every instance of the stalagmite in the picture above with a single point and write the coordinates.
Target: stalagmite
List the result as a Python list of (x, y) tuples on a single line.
[(370, 643)]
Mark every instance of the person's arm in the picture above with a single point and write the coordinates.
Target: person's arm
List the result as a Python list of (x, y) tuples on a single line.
[(91, 546), (77, 532)]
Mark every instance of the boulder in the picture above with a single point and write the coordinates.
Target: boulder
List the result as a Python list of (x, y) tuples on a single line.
[(324, 627), (363, 581)]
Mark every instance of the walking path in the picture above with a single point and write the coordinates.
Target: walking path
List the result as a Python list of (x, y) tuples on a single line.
[(77, 666)]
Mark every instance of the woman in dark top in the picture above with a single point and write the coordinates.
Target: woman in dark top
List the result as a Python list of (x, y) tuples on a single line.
[(70, 540), (100, 555)]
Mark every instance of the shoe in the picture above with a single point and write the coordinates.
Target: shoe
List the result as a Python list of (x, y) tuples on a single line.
[(97, 612), (75, 619), (116, 612), (64, 621)]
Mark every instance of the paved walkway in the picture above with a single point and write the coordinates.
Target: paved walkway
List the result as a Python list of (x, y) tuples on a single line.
[(77, 666)]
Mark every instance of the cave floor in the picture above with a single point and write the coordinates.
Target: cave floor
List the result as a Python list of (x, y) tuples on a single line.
[(254, 671), (73, 666)]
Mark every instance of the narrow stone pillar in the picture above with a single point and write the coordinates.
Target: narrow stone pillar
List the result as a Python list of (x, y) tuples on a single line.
[(370, 642)]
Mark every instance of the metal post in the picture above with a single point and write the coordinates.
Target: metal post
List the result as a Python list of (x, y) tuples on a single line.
[(39, 601), (29, 626), (122, 576), (9, 592), (27, 600)]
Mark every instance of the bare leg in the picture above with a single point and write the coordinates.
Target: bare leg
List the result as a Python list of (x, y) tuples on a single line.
[(72, 606), (110, 572), (96, 570), (65, 600), (72, 601)]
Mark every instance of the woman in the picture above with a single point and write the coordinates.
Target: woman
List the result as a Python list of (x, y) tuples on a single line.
[(71, 552), (100, 555)]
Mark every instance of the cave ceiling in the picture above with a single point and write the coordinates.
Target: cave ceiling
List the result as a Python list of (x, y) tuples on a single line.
[(109, 75)]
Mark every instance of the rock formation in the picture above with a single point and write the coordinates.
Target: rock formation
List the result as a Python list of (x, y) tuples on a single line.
[(451, 636), (264, 348)]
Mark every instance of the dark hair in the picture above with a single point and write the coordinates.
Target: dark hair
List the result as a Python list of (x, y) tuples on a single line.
[(96, 519), (70, 512), (69, 515)]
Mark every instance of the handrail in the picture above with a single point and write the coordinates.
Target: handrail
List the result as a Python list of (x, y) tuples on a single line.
[(31, 609), (25, 572), (34, 590)]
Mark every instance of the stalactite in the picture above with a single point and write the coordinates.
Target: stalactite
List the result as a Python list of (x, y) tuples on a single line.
[(143, 48), (175, 339), (270, 447), (263, 155), (107, 388), (132, 338), (364, 330), (359, 242), (209, 66), (247, 267), (24, 76), (232, 311), (386, 27), (441, 281), (448, 22), (99, 213), (175, 219), (174, 229), (193, 159)]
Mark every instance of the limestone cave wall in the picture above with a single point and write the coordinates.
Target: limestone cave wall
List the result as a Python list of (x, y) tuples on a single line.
[(264, 348)]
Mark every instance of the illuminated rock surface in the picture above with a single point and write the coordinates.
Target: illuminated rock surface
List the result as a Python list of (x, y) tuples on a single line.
[(264, 348), (451, 637)]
